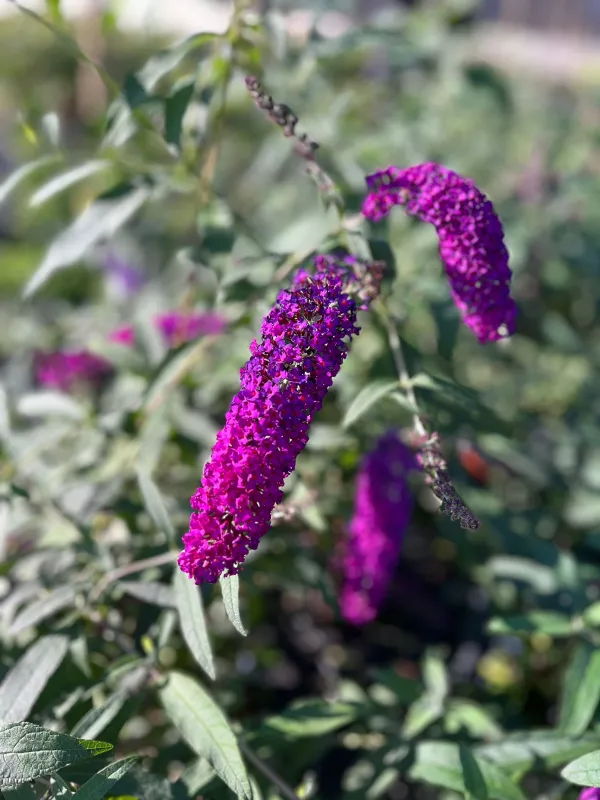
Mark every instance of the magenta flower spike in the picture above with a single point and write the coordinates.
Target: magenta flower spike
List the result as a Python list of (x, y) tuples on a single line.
[(304, 340), (64, 369), (590, 794), (382, 509), (471, 239)]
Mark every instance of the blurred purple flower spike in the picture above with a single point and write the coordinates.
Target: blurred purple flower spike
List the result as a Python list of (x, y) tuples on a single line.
[(178, 326), (382, 509), (590, 794), (64, 369)]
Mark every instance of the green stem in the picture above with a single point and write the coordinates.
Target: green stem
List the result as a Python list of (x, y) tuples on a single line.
[(266, 770)]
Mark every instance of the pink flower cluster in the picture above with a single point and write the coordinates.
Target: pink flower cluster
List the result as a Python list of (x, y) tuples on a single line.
[(590, 794), (470, 236), (304, 340), (382, 509), (64, 369), (176, 327)]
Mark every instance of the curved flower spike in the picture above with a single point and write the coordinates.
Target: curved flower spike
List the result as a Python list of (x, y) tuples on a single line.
[(470, 235)]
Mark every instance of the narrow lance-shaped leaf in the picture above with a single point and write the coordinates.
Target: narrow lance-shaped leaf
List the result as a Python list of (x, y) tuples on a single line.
[(59, 787), (102, 782), (95, 721), (154, 504), (25, 681), (366, 398), (204, 727), (101, 220), (581, 692), (175, 108), (66, 179), (43, 608), (22, 173), (230, 589), (152, 592), (191, 619), (28, 751)]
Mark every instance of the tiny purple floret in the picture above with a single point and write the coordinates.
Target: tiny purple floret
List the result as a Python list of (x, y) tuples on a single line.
[(470, 236), (382, 508), (304, 340)]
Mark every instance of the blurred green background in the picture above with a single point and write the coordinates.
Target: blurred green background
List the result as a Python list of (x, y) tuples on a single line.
[(486, 636)]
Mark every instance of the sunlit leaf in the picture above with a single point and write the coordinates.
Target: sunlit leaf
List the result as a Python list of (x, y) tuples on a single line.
[(24, 683), (101, 220), (28, 751), (230, 589), (204, 728), (190, 608)]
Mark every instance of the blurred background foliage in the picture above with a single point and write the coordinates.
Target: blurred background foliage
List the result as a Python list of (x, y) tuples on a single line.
[(482, 668)]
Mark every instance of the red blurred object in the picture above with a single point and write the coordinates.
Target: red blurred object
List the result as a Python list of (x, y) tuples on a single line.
[(473, 462)]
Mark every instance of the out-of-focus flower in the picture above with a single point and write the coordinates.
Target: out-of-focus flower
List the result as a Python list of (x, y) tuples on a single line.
[(590, 794), (304, 342), (470, 236), (178, 327), (124, 335), (382, 508), (64, 369), (123, 279)]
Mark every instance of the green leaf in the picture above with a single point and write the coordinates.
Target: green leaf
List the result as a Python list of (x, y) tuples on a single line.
[(59, 788), (175, 108), (28, 751), (154, 504), (420, 715), (230, 590), (24, 683), (162, 63), (152, 592), (49, 404), (584, 771), (581, 692), (442, 764), (521, 751), (188, 598), (24, 792), (203, 726), (549, 622), (100, 220), (43, 608), (591, 615), (435, 677), (66, 179), (366, 398), (475, 785), (102, 782), (134, 92), (313, 718), (95, 721), (469, 716), (22, 173)]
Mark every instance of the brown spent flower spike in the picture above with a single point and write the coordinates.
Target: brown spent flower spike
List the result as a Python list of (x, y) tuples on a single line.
[(281, 115), (433, 463)]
